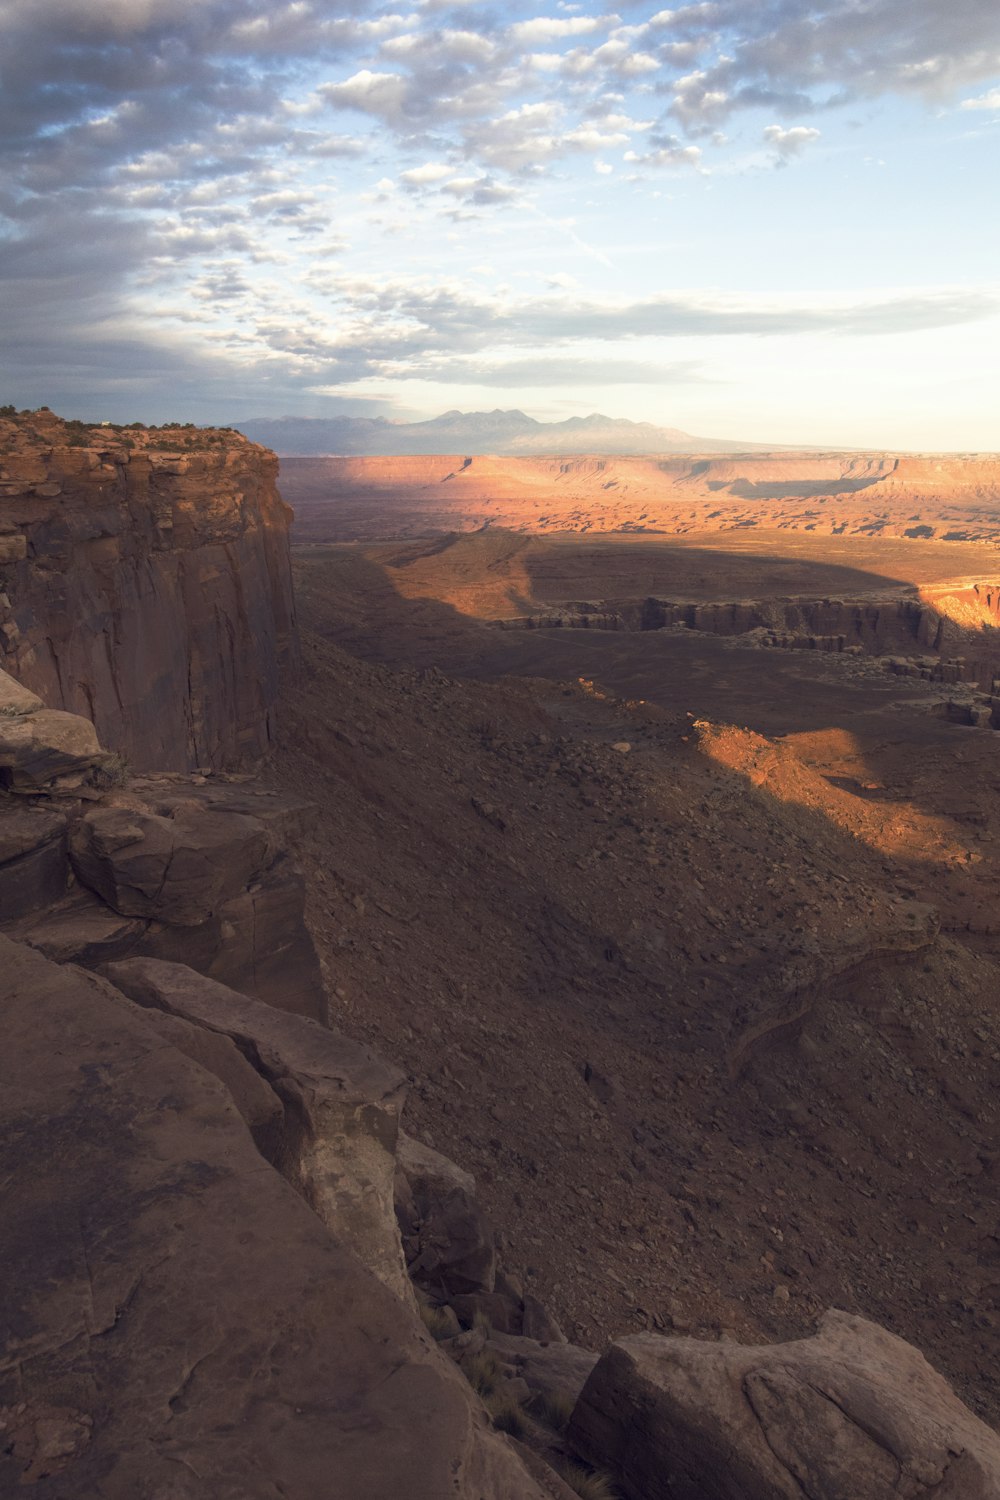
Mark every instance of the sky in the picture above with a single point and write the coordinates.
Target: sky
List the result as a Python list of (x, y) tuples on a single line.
[(766, 220)]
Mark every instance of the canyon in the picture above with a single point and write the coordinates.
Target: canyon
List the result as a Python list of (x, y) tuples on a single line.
[(545, 967), (944, 496)]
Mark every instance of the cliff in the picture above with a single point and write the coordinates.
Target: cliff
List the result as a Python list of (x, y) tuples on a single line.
[(144, 583)]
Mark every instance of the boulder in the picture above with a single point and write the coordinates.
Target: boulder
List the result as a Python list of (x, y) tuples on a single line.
[(449, 1243), (179, 1324), (851, 1412), (16, 700), (177, 869), (341, 1103), (33, 866), (45, 743), (549, 1369)]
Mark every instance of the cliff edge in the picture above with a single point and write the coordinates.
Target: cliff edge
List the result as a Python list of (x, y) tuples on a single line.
[(145, 584)]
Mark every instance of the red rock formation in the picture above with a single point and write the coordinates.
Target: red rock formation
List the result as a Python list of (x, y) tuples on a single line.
[(144, 584)]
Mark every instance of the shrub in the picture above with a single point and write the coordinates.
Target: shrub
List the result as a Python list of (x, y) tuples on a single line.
[(553, 1409), (437, 1322), (114, 771), (589, 1484), (507, 1415), (483, 1373)]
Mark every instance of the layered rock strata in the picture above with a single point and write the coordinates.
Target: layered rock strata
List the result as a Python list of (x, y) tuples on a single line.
[(144, 584)]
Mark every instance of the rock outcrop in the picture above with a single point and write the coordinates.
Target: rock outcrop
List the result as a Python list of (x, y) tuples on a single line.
[(145, 585), (853, 1411), (178, 1320), (195, 870), (341, 1103)]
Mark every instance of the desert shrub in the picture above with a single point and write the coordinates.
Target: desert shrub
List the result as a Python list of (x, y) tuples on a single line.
[(589, 1484), (481, 1322), (437, 1322), (483, 1373), (507, 1414), (553, 1409), (114, 771)]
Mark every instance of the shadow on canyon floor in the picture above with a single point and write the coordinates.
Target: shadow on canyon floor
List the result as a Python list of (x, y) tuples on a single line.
[(566, 946)]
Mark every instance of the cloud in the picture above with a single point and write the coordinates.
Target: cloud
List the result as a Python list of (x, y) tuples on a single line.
[(553, 373), (202, 159), (984, 101), (789, 143), (551, 28)]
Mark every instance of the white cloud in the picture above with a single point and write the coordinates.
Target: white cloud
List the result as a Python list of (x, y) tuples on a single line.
[(381, 94), (984, 101), (791, 142), (550, 29), (430, 172)]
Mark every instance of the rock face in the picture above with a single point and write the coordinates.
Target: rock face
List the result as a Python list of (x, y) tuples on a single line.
[(178, 1322), (341, 1103), (170, 869), (448, 1241), (144, 584), (851, 1412)]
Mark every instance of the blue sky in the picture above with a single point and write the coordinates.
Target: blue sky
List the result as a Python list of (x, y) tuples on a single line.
[(769, 221)]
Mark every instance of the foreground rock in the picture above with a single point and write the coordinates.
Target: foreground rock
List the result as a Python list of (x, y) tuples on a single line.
[(447, 1239), (190, 871), (178, 1322), (852, 1412), (340, 1103)]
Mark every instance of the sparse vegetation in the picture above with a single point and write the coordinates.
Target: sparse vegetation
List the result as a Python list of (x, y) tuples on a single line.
[(553, 1409), (482, 1324), (114, 771), (589, 1484), (507, 1415), (437, 1322), (483, 1373)]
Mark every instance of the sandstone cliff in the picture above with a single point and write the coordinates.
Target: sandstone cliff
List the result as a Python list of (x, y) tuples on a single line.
[(144, 583)]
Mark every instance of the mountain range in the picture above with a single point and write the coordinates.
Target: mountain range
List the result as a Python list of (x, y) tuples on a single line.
[(511, 433)]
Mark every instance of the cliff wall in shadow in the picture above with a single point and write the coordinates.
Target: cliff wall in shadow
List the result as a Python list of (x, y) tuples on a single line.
[(145, 584)]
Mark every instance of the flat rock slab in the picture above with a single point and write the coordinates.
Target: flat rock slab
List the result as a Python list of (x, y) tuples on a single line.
[(178, 1324), (853, 1413)]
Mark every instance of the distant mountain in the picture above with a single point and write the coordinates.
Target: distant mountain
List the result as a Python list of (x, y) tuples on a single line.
[(510, 433)]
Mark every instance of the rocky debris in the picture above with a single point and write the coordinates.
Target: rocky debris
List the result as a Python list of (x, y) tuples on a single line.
[(144, 583), (851, 1411), (549, 1369), (171, 867), (180, 1322), (932, 668), (341, 1103), (447, 1239), (640, 915)]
